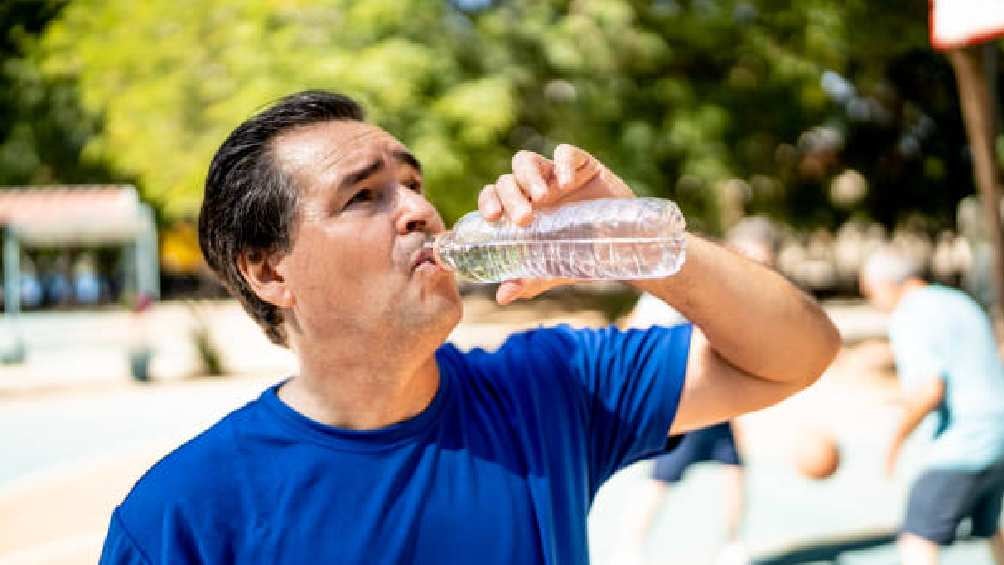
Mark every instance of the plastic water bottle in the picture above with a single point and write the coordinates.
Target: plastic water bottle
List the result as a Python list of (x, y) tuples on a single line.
[(602, 239)]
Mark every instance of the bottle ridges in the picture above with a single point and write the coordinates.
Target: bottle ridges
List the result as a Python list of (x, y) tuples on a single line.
[(604, 239)]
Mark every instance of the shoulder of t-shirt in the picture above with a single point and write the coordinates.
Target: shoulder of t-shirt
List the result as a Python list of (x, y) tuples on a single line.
[(528, 348), (202, 468), (945, 296), (920, 308), (561, 346), (544, 342), (120, 545), (913, 307), (955, 300)]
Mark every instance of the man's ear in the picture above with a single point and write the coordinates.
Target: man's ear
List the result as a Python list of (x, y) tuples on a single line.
[(260, 271)]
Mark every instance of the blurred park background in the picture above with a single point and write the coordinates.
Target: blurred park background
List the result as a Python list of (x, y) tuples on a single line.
[(835, 119)]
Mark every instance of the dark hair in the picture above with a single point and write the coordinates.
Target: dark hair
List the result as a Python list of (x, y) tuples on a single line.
[(250, 203)]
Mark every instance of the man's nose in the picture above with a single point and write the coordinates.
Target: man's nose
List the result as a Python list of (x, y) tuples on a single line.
[(416, 213)]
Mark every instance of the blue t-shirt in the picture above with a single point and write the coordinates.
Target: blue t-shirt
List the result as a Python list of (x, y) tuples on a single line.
[(939, 332), (501, 467)]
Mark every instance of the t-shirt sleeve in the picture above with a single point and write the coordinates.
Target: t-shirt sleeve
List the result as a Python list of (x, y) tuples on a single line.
[(119, 547), (631, 383)]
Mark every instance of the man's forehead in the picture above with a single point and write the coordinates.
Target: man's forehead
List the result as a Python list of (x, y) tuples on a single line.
[(332, 147)]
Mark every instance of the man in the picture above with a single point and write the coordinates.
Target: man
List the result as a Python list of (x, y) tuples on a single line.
[(949, 366), (390, 447), (755, 238)]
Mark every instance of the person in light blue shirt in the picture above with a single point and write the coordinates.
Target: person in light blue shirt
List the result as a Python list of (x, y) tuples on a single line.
[(950, 369), (389, 446)]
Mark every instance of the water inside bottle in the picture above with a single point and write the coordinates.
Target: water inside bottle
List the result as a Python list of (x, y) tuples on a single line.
[(601, 258), (614, 239)]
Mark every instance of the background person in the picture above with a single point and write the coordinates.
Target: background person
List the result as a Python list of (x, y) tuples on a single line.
[(756, 238), (948, 366)]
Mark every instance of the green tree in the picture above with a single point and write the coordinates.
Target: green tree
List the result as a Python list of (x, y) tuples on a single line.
[(172, 78), (43, 129), (691, 99), (683, 95)]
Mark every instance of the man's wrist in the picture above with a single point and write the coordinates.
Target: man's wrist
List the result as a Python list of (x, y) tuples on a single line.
[(678, 281)]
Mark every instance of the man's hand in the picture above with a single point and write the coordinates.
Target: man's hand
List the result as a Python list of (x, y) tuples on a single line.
[(922, 399), (537, 183)]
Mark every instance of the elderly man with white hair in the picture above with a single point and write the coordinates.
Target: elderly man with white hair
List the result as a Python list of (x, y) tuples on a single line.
[(948, 365)]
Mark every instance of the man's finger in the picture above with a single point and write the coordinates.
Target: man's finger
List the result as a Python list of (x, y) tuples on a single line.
[(534, 174), (515, 203), (508, 292), (489, 203), (511, 291), (569, 163)]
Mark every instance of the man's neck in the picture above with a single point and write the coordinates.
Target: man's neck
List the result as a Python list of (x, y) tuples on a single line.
[(360, 392)]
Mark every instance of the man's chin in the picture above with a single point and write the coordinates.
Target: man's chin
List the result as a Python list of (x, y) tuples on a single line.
[(430, 329), (451, 310), (438, 285)]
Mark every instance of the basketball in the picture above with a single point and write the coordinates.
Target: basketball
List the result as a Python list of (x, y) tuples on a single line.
[(817, 455)]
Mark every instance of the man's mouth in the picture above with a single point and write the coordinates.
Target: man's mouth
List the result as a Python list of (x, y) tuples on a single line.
[(423, 256)]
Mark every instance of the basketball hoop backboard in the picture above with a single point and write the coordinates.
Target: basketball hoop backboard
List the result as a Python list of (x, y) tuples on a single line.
[(958, 23)]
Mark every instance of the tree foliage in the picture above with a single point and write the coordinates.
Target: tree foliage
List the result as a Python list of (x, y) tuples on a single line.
[(703, 101), (42, 126)]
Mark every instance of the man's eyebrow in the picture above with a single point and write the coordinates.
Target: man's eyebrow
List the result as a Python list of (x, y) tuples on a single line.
[(363, 173), (376, 165), (408, 159)]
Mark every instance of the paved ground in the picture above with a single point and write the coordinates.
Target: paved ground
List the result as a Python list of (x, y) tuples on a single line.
[(77, 433)]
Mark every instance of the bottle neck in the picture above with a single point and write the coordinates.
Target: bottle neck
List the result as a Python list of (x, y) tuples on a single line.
[(437, 244)]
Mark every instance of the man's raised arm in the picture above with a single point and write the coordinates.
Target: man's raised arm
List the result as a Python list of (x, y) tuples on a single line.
[(759, 338)]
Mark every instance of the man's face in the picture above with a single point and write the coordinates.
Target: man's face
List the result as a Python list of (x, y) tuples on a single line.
[(356, 267)]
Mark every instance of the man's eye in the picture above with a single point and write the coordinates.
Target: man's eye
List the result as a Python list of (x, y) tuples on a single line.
[(364, 195), (415, 186)]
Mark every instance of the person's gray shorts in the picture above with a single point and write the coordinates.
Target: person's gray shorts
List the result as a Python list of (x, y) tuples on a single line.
[(941, 499)]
